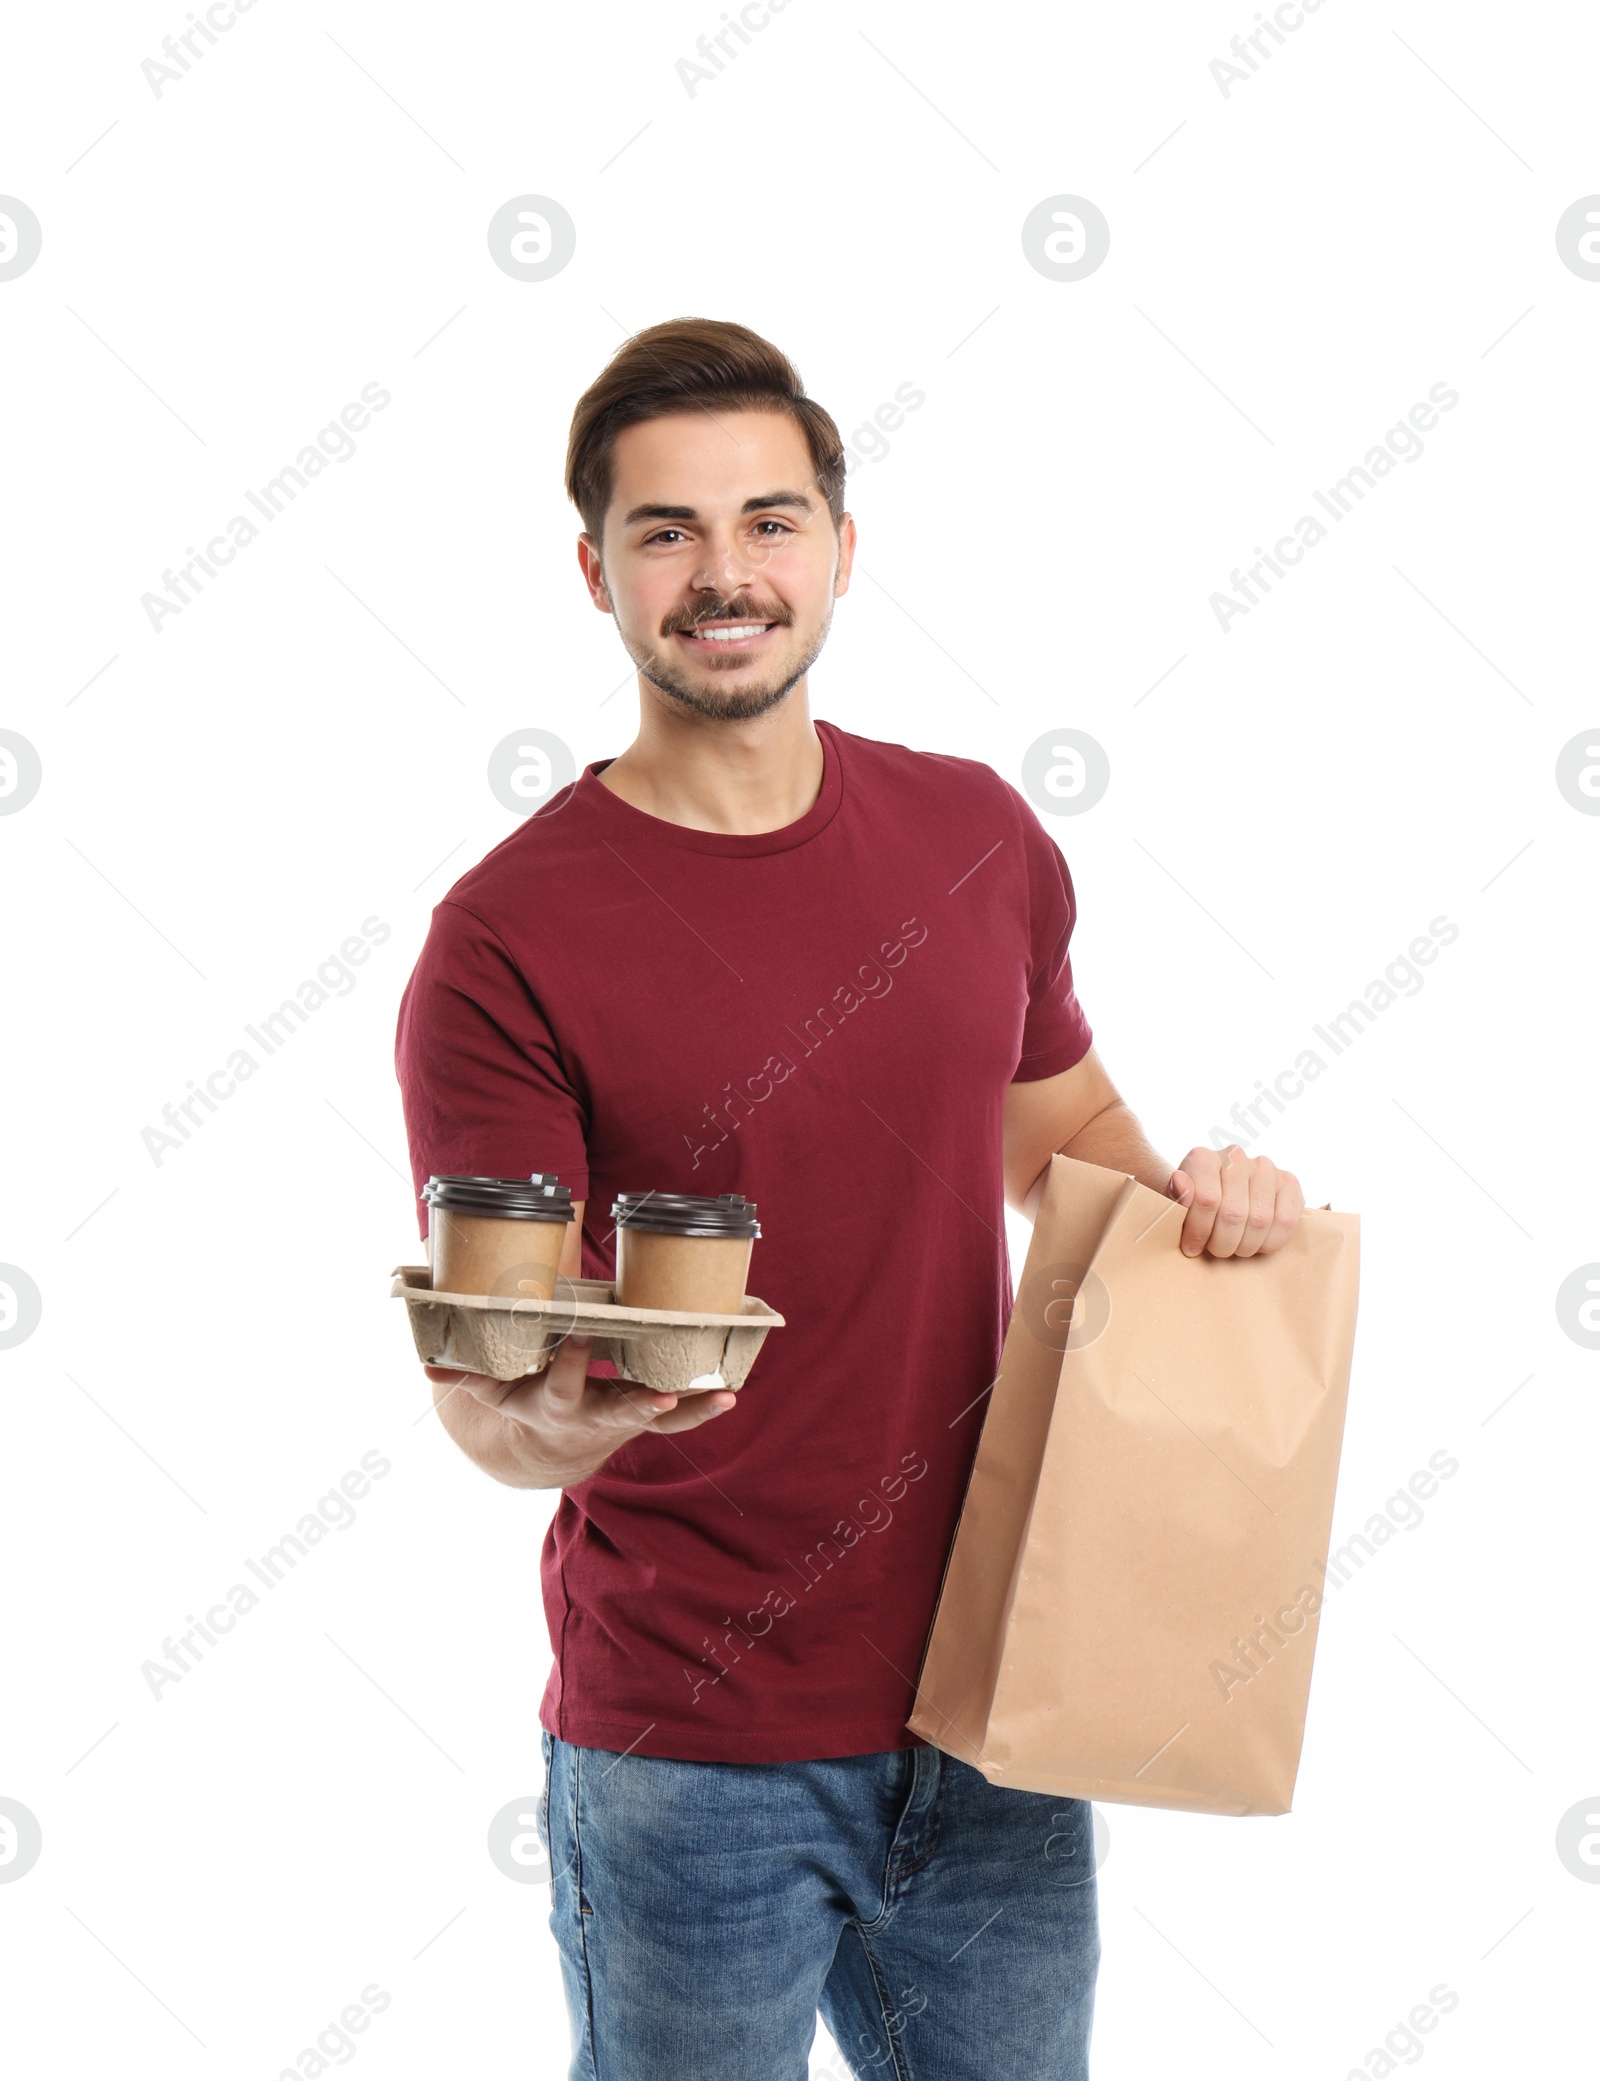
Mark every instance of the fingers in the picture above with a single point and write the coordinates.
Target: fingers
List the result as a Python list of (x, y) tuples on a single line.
[(1203, 1169), (574, 1413), (624, 1408), (565, 1378), (694, 1410), (1238, 1205), (654, 1409), (1233, 1203), (1261, 1194), (482, 1387), (1288, 1205), (630, 1405), (557, 1390)]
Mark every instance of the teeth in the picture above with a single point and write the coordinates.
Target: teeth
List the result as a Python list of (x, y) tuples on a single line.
[(730, 634)]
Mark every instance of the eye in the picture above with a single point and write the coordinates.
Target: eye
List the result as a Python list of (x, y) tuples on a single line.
[(660, 533), (782, 527)]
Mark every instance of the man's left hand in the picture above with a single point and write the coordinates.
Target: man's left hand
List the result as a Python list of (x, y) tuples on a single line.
[(1239, 1206)]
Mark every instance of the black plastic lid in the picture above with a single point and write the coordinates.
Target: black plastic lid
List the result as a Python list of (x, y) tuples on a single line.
[(682, 1214), (541, 1197)]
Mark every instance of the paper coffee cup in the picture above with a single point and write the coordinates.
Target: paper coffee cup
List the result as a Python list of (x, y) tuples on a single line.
[(677, 1251), (501, 1236)]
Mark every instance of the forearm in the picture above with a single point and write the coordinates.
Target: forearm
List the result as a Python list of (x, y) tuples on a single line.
[(1114, 1140)]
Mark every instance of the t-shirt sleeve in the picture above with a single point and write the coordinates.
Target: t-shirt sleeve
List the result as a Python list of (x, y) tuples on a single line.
[(483, 1082), (1055, 1032)]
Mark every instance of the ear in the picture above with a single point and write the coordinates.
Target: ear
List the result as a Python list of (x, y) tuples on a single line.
[(847, 553), (594, 573)]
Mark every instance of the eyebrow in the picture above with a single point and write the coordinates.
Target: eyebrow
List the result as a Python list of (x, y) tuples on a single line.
[(762, 503)]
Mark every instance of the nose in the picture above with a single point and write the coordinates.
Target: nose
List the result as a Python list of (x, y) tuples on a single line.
[(724, 569)]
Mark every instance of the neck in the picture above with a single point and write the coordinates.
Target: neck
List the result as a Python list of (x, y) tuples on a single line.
[(740, 777)]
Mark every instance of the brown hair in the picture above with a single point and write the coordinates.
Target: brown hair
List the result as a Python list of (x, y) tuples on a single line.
[(678, 366)]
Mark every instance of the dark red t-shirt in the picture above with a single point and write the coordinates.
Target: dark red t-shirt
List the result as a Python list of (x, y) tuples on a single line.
[(824, 1018)]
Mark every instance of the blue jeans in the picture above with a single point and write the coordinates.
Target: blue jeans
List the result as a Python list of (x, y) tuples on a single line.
[(946, 1928)]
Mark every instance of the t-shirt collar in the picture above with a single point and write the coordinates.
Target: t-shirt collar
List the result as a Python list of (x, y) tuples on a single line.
[(638, 826)]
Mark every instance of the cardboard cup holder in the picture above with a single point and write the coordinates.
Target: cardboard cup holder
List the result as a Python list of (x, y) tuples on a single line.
[(668, 1349)]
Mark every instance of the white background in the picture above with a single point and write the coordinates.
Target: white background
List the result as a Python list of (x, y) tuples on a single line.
[(304, 747)]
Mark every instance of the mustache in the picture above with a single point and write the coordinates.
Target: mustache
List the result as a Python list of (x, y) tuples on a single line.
[(734, 610)]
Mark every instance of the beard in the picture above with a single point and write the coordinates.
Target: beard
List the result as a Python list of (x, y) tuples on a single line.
[(738, 704)]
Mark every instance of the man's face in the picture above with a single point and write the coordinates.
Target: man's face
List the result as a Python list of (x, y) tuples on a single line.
[(719, 560)]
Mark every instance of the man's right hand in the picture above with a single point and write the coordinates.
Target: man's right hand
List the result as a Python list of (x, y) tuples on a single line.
[(565, 1422)]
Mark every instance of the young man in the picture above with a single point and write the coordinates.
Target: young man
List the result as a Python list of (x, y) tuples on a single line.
[(760, 954)]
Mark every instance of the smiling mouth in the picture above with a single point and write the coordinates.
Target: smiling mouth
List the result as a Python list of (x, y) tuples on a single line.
[(726, 635)]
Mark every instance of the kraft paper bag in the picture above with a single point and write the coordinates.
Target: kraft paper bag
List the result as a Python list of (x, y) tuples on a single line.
[(1129, 1610)]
